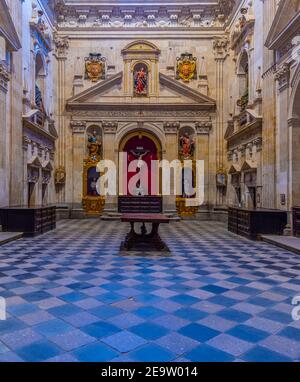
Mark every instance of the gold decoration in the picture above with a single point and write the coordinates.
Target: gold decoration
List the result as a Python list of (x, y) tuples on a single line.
[(95, 67), (183, 210), (92, 203), (60, 175), (186, 67), (182, 207)]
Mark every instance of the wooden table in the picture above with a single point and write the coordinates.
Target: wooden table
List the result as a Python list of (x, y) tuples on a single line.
[(144, 241)]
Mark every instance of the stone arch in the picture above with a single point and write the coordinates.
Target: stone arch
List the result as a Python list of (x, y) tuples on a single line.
[(294, 126), (135, 127)]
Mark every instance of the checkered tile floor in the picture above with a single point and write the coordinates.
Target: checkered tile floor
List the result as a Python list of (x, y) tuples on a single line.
[(72, 297)]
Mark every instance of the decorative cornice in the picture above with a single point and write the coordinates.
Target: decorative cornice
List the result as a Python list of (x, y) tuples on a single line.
[(157, 14)]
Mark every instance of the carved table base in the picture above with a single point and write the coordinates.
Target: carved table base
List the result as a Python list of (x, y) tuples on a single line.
[(144, 241)]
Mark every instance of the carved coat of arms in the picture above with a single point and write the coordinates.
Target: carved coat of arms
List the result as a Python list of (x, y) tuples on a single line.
[(95, 67), (186, 67)]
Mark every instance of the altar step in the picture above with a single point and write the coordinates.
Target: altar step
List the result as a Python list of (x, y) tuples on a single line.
[(7, 237), (115, 216)]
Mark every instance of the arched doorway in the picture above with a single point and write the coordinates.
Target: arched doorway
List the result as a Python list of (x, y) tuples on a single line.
[(139, 186)]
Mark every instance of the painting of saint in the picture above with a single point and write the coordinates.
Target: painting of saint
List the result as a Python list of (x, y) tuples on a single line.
[(140, 80)]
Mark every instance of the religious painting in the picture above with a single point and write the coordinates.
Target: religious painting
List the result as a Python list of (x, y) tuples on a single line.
[(60, 175), (186, 143), (221, 178), (186, 69), (140, 80), (95, 67)]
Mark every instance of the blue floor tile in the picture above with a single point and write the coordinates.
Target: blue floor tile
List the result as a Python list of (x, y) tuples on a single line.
[(261, 354), (149, 331), (38, 351), (152, 353), (198, 332), (206, 353), (100, 329), (248, 333), (95, 353)]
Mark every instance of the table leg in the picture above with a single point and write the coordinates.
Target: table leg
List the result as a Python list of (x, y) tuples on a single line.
[(157, 241)]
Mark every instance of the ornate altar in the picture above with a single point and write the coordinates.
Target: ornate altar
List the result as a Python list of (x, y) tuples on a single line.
[(92, 202), (187, 153)]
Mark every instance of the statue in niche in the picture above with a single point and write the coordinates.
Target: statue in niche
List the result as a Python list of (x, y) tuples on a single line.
[(140, 74), (94, 145), (187, 145)]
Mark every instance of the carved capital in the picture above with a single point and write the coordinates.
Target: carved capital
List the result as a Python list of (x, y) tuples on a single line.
[(61, 46), (78, 126), (171, 127), (110, 127), (203, 128), (220, 47)]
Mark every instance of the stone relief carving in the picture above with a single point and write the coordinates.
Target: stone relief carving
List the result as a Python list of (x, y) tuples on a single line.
[(4, 77), (220, 47), (154, 16), (95, 69), (61, 45), (186, 67), (282, 75)]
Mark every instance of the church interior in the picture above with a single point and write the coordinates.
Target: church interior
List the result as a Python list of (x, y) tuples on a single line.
[(149, 181)]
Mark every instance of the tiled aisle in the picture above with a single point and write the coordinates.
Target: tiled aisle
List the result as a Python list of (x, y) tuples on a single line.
[(72, 297)]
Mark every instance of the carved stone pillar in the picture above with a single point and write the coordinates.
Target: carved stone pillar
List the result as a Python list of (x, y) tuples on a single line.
[(75, 187), (282, 142), (220, 47), (203, 130), (109, 152), (61, 51), (171, 132), (4, 175)]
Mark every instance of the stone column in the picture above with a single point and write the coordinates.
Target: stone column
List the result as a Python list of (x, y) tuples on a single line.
[(4, 173), (203, 130), (61, 51), (268, 113), (171, 132), (282, 152), (78, 155), (220, 47), (109, 153)]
